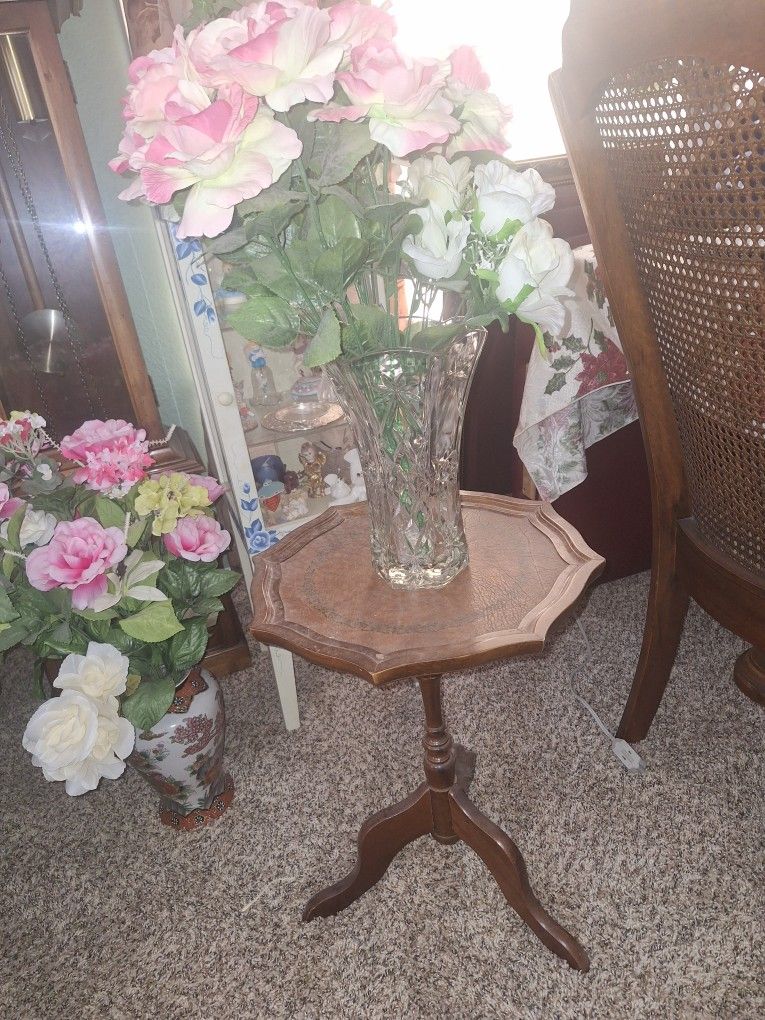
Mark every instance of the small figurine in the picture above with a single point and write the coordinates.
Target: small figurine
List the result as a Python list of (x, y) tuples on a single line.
[(268, 468), (336, 488), (291, 481), (313, 460), (294, 505), (358, 488)]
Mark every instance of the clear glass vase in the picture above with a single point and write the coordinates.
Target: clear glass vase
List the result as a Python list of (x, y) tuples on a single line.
[(406, 408)]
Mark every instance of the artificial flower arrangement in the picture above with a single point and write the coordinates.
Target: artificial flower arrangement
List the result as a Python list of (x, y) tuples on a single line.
[(116, 573), (325, 166)]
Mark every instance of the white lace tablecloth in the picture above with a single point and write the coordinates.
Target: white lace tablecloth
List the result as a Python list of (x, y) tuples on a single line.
[(581, 393)]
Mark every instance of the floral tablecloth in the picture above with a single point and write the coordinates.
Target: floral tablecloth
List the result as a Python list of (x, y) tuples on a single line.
[(581, 393)]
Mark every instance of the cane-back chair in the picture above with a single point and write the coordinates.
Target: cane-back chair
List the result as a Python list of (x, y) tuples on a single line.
[(662, 108)]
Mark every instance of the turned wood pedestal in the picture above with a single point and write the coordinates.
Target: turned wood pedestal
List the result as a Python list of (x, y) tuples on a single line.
[(317, 594)]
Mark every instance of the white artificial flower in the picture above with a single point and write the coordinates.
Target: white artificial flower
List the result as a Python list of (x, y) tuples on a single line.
[(36, 528), (101, 673), (45, 471), (505, 195), (79, 740), (437, 250), (439, 181), (542, 265)]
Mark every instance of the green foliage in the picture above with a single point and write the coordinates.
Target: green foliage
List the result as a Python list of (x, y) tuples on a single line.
[(268, 319), (155, 622), (325, 345), (335, 150), (188, 646), (149, 702)]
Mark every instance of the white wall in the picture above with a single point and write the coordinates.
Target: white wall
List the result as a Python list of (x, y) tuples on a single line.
[(95, 48), (518, 43)]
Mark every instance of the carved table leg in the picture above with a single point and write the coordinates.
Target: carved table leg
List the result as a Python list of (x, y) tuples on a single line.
[(505, 861), (380, 839), (441, 807)]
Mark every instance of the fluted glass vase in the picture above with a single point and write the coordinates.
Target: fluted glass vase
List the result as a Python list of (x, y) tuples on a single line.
[(406, 408)]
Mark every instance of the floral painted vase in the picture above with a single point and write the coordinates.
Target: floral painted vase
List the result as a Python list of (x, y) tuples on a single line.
[(182, 755)]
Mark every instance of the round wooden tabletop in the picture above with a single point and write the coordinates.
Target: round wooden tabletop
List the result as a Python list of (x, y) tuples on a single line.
[(316, 593)]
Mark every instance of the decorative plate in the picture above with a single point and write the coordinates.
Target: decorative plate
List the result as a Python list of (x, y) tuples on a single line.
[(302, 416)]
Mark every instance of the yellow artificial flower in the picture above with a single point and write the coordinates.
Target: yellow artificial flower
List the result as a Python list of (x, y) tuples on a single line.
[(169, 498)]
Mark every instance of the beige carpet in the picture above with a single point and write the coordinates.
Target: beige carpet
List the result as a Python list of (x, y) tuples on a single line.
[(105, 913)]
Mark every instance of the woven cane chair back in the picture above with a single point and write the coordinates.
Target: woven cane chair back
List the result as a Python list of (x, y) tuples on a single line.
[(685, 142)]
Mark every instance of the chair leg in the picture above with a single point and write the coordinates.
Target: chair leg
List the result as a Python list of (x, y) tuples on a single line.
[(749, 674), (667, 608)]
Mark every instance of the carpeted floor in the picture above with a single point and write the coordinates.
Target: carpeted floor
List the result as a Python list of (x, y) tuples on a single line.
[(105, 913)]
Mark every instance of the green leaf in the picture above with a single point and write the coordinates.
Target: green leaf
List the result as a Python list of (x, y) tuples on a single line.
[(14, 529), (271, 275), (204, 607), (149, 703), (267, 319), (348, 197), (7, 609), (337, 149), (336, 219), (156, 622), (188, 647), (136, 531), (218, 582), (109, 513), (181, 580), (229, 241), (325, 345), (555, 383), (336, 267), (12, 634), (387, 214), (270, 211), (372, 328)]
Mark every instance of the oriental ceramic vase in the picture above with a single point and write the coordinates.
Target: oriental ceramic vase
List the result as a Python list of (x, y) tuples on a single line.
[(406, 407), (182, 755)]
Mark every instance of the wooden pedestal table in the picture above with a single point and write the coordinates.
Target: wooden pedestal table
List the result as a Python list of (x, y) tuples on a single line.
[(316, 594)]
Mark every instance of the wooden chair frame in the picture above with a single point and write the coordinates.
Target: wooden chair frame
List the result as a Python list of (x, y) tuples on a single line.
[(601, 39)]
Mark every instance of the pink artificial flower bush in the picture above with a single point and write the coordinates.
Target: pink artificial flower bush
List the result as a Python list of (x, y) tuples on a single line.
[(78, 558), (105, 564), (197, 538), (289, 133)]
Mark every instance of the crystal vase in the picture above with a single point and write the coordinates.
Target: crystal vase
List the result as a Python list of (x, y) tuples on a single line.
[(406, 408)]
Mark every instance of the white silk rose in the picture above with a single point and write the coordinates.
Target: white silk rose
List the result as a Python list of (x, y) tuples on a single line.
[(439, 181), (79, 740), (534, 276), (101, 673), (437, 250), (36, 528), (506, 196)]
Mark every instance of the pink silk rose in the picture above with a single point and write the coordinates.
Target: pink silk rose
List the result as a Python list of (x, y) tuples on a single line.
[(282, 52), (197, 538), (404, 99), (112, 455), (483, 119), (225, 154), (78, 557), (8, 504)]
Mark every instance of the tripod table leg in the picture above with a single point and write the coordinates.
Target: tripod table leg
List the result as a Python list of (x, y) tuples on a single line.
[(504, 860), (380, 839)]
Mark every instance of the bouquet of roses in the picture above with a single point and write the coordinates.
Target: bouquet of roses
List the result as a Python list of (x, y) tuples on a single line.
[(111, 570), (328, 166)]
